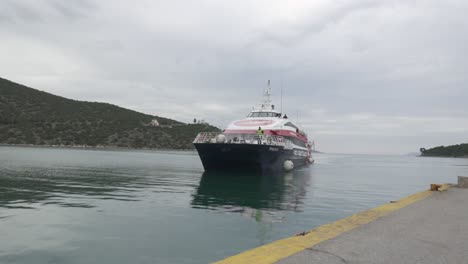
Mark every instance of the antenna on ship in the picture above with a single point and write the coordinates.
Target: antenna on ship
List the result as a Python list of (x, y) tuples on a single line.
[(281, 100), (297, 118)]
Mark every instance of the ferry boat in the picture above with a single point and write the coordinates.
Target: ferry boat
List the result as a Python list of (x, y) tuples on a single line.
[(266, 140)]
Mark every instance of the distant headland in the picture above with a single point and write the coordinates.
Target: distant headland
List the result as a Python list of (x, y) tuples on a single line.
[(457, 151), (32, 117)]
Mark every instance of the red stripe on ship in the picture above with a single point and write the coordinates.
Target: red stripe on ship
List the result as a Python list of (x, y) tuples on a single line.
[(284, 133)]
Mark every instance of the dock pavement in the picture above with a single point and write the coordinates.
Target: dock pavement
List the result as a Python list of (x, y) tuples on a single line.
[(426, 227)]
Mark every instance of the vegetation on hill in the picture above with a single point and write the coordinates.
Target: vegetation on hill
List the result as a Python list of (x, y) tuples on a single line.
[(29, 116), (460, 150)]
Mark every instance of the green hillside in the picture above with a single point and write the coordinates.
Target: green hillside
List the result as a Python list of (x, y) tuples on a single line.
[(448, 151), (30, 116)]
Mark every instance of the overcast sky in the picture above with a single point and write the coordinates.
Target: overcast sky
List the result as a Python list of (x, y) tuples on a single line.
[(362, 76)]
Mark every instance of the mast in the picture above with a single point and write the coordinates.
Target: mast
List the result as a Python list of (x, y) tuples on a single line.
[(266, 103), (266, 97)]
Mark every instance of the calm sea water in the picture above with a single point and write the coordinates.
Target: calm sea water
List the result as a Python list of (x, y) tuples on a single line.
[(95, 206)]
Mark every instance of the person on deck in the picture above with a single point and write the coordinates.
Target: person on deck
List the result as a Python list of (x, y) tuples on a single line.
[(259, 134)]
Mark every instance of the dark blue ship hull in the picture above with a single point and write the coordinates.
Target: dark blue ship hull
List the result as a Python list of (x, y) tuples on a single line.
[(223, 156)]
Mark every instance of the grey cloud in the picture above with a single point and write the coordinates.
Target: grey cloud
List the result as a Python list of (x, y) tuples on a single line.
[(39, 11), (14, 11), (291, 35), (76, 9)]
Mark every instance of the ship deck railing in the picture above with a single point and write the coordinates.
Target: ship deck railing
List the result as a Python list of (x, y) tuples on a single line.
[(254, 139)]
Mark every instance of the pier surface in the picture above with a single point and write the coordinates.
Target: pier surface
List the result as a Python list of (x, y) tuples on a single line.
[(427, 227), (432, 230)]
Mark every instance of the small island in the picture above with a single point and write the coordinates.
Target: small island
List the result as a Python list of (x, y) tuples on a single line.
[(457, 151)]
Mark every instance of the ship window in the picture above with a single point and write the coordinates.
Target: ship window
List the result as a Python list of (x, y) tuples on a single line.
[(289, 124), (298, 142), (262, 114)]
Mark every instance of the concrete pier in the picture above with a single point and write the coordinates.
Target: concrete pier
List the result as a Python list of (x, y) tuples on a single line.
[(427, 227), (462, 182)]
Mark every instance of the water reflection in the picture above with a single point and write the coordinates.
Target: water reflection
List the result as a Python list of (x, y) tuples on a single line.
[(253, 195), (69, 187)]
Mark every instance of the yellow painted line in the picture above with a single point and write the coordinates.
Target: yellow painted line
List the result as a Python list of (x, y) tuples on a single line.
[(280, 249)]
